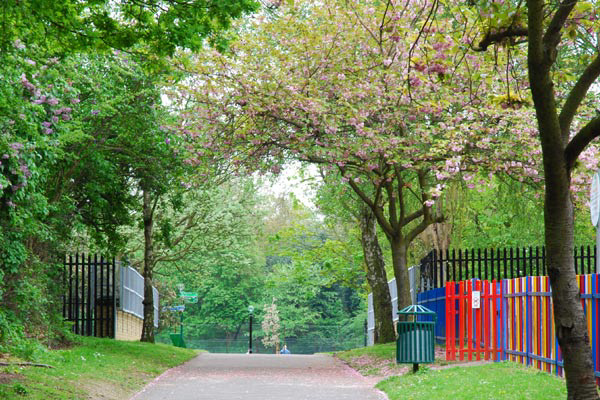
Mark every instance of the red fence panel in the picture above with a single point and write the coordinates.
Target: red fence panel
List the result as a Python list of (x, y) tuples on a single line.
[(474, 322)]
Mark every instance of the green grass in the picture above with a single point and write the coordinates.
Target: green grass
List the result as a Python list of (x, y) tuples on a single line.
[(379, 351), (98, 368), (503, 380), (489, 381)]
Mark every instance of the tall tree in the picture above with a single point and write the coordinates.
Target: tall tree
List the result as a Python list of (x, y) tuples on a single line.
[(561, 40), (343, 207), (393, 109), (562, 140)]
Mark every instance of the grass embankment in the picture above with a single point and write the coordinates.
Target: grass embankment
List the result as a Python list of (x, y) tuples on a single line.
[(97, 368), (381, 359), (441, 380)]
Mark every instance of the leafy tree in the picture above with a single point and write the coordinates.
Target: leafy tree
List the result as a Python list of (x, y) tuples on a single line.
[(393, 108), (555, 33), (317, 280), (207, 242), (155, 27), (340, 206)]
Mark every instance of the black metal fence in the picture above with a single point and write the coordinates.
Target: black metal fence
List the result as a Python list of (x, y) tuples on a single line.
[(455, 265), (312, 338), (89, 299)]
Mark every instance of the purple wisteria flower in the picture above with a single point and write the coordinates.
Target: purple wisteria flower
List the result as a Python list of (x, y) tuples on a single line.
[(19, 45), (25, 82), (95, 112)]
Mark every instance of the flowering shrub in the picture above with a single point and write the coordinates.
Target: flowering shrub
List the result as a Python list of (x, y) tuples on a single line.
[(270, 325)]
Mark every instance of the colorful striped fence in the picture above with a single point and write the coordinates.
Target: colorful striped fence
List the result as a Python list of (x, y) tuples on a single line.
[(514, 321), (473, 332)]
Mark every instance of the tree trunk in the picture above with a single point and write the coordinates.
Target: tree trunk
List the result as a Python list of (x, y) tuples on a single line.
[(377, 278), (569, 319), (570, 322), (148, 325), (398, 248)]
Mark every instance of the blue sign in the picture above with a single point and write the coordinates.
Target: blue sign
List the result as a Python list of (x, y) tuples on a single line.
[(176, 308)]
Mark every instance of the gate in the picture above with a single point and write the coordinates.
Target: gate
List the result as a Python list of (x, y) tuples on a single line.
[(89, 299), (474, 325)]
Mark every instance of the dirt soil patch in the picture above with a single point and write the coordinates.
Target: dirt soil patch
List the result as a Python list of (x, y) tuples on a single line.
[(381, 368), (107, 390), (6, 377)]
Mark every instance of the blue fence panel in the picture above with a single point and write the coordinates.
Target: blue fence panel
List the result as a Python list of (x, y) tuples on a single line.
[(435, 300)]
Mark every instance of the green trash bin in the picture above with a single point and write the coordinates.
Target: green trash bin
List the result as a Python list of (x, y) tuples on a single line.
[(416, 339)]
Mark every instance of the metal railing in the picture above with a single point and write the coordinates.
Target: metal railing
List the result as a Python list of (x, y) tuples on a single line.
[(132, 294)]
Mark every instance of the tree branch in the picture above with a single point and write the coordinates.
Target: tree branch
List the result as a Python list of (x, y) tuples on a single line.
[(576, 96), (383, 222), (551, 38), (417, 230), (498, 36), (588, 133), (25, 364), (412, 217), (392, 211)]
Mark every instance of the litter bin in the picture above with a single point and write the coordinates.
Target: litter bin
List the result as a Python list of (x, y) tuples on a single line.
[(416, 339)]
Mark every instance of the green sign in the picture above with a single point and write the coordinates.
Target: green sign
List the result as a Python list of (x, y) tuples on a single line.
[(189, 297)]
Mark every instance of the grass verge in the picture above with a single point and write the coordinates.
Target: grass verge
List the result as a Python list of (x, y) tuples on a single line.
[(504, 380), (98, 368)]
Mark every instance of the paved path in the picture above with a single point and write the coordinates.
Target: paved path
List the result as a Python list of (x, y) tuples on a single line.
[(261, 377)]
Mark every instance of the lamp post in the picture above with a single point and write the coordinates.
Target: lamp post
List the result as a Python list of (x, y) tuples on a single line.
[(250, 311)]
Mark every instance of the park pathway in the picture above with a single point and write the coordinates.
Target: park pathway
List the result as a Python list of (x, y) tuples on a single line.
[(261, 377)]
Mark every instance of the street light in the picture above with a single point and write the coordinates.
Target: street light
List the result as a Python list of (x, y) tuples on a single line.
[(250, 310)]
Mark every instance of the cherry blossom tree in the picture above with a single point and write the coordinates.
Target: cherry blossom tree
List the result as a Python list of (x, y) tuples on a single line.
[(387, 95)]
